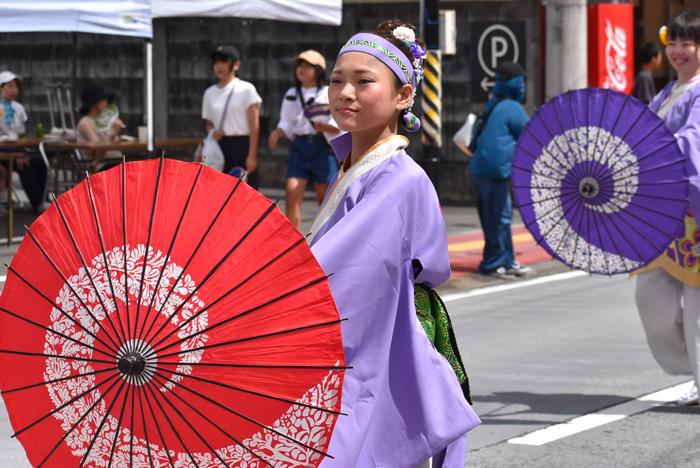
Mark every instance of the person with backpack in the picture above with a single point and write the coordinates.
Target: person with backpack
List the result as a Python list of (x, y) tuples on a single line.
[(490, 169), (310, 157)]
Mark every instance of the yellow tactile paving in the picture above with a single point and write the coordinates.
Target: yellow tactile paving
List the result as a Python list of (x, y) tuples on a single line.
[(479, 244)]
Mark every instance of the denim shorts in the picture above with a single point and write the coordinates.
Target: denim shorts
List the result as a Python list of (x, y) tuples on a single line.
[(310, 158)]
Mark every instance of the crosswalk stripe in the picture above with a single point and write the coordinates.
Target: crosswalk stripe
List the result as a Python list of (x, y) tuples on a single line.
[(515, 285), (602, 417)]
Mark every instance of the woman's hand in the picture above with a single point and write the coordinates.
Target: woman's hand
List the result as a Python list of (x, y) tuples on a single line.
[(251, 164), (218, 135), (23, 162), (274, 137), (116, 126)]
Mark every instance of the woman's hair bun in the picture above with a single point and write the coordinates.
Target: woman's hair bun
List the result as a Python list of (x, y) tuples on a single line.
[(386, 31)]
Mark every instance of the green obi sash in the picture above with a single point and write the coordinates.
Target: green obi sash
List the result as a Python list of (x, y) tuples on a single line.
[(432, 314)]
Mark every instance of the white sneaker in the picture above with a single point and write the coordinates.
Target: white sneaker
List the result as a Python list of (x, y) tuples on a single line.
[(689, 398), (518, 269), (502, 273)]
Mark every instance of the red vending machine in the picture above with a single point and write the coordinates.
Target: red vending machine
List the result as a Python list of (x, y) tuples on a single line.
[(611, 46)]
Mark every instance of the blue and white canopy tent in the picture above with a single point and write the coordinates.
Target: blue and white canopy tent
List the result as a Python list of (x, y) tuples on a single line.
[(302, 11), (124, 18), (118, 17)]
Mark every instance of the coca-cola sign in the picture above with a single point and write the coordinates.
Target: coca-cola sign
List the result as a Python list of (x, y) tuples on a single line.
[(610, 54)]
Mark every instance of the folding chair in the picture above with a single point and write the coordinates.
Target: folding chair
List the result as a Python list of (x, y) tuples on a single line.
[(71, 171)]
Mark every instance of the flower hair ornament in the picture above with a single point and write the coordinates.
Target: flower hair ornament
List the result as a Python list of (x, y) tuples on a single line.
[(409, 72), (663, 35), (408, 37)]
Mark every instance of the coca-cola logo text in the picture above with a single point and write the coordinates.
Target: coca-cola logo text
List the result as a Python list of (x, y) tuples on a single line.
[(615, 57)]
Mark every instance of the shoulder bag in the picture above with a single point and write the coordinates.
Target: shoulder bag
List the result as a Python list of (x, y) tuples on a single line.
[(209, 151)]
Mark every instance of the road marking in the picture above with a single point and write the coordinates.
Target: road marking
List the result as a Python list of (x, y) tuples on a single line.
[(602, 417), (2, 279), (516, 285), (479, 244)]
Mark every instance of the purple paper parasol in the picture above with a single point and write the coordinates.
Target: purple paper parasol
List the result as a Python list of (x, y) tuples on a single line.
[(600, 181)]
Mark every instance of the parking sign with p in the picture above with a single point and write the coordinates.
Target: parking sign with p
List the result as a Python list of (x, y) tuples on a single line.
[(492, 44)]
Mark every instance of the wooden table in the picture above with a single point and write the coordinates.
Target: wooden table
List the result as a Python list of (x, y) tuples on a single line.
[(121, 145), (23, 143), (19, 145), (10, 157), (61, 147)]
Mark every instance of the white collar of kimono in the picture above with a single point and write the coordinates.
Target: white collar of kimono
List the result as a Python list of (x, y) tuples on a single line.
[(677, 93), (376, 155)]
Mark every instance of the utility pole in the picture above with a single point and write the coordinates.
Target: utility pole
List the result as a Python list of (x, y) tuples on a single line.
[(567, 46), (431, 98), (149, 99)]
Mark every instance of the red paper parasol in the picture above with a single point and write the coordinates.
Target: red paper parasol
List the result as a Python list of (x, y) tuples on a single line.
[(225, 349)]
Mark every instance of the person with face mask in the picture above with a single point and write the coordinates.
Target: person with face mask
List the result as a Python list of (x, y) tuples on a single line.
[(490, 170)]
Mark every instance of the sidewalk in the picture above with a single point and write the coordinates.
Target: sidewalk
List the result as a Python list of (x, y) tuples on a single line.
[(464, 239), (465, 243)]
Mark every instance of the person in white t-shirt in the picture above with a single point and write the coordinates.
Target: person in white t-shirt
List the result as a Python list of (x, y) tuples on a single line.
[(13, 118), (310, 156), (238, 136)]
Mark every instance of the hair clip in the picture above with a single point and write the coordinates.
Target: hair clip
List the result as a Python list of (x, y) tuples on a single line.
[(663, 35)]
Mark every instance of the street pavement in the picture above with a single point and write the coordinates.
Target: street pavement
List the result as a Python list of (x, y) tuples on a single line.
[(539, 351), (545, 354)]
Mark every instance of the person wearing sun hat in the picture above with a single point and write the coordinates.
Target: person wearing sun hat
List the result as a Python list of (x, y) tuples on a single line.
[(13, 118), (12, 113), (310, 157), (231, 108), (94, 100)]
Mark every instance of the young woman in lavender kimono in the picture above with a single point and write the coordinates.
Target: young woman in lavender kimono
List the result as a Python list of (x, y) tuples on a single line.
[(379, 231), (668, 290)]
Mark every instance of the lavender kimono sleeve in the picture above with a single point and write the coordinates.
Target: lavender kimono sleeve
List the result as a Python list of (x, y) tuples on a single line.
[(365, 255), (689, 141), (426, 235), (660, 98)]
